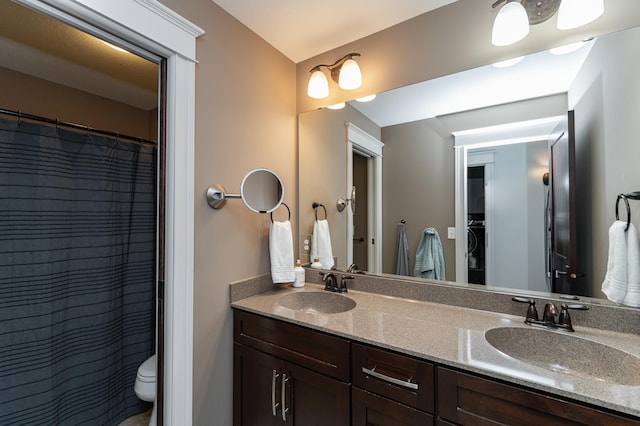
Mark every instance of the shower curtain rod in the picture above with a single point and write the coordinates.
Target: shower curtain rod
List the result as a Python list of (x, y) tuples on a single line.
[(88, 129)]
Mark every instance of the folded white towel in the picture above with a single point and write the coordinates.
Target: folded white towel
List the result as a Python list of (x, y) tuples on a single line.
[(281, 252), (622, 281), (321, 243)]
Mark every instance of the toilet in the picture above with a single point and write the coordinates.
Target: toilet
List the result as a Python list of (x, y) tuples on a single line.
[(145, 387)]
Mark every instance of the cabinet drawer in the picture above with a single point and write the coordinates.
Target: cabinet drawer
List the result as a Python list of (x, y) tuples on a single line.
[(395, 376), (471, 400), (315, 350), (371, 409)]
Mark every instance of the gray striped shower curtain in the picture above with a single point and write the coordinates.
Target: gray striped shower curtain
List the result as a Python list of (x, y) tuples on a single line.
[(77, 274)]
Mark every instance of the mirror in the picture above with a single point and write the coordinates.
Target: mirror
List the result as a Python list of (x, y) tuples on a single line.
[(418, 183), (261, 190)]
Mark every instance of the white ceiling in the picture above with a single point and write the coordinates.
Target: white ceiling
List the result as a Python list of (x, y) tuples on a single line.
[(301, 29)]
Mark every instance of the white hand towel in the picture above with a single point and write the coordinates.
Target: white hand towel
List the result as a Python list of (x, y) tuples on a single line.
[(281, 252), (622, 281), (321, 243)]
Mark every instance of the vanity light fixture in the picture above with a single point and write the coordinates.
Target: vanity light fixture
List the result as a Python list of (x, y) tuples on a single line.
[(366, 98), (516, 16), (509, 62), (339, 105), (345, 71), (568, 48)]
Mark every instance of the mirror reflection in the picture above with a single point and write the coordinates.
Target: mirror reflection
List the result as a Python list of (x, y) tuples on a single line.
[(452, 125)]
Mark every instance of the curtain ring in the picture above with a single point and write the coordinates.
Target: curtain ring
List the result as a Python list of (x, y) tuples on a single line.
[(315, 209), (282, 204), (626, 202)]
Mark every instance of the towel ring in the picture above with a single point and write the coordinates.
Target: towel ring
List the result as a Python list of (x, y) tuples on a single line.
[(626, 202), (315, 209), (288, 210)]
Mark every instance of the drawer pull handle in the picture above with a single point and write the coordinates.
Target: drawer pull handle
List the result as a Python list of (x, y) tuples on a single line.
[(274, 404), (405, 384)]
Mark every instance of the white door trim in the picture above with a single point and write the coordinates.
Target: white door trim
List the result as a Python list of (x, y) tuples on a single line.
[(157, 29), (360, 141)]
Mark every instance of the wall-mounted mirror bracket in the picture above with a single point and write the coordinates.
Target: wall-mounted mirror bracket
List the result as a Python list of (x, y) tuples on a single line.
[(217, 196), (341, 204)]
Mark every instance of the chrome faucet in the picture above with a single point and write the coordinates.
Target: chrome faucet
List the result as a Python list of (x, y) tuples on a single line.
[(550, 318)]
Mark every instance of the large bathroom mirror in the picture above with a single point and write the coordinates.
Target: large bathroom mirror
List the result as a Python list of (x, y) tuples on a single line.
[(417, 124)]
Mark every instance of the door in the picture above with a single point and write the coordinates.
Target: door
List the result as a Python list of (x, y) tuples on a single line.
[(563, 235), (256, 388), (361, 213)]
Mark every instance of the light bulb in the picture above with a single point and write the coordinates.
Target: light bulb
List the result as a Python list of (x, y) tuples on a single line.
[(511, 25), (318, 87), (576, 13), (350, 77)]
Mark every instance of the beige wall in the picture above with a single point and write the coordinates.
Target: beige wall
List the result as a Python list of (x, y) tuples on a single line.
[(453, 38), (424, 197), (245, 118), (22, 92)]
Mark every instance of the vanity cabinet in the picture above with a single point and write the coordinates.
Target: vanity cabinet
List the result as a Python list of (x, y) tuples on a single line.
[(390, 389), (286, 374), (471, 400)]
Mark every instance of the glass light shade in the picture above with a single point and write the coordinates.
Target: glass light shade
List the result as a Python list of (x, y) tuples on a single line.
[(350, 77), (509, 62), (511, 24), (576, 13), (318, 87), (368, 98), (567, 48), (339, 105)]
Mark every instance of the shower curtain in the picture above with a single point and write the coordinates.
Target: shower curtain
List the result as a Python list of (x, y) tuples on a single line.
[(77, 274)]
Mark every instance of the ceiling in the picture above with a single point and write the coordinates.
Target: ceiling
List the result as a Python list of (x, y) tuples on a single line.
[(301, 29)]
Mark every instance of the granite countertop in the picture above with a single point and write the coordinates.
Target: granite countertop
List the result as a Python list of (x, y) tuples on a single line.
[(454, 336)]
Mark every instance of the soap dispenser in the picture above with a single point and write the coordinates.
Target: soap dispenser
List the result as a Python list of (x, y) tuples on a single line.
[(299, 271)]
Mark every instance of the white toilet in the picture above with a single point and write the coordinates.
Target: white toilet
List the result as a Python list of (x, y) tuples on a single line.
[(145, 386)]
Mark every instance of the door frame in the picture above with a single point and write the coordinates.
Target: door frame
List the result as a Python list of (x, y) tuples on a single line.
[(149, 25), (363, 143)]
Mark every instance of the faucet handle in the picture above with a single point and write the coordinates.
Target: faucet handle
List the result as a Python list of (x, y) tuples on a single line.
[(564, 319), (330, 281), (343, 283), (532, 312)]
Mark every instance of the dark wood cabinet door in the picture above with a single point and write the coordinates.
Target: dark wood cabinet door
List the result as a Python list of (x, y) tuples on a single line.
[(369, 409), (256, 387), (470, 400), (270, 391), (315, 400)]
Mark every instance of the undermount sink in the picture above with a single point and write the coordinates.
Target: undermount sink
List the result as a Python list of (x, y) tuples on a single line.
[(317, 302), (564, 353)]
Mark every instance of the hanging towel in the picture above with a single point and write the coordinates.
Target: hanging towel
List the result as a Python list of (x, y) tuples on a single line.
[(429, 256), (402, 258), (622, 280), (321, 243), (281, 252)]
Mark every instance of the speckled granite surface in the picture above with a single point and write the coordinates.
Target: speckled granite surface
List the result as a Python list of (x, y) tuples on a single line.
[(455, 336)]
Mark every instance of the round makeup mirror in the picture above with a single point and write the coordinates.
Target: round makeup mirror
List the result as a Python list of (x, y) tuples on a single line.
[(262, 190)]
